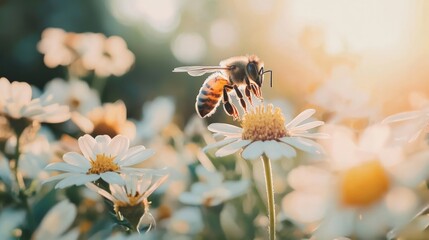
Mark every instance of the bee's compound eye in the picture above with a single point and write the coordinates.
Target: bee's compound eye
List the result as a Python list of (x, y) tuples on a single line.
[(252, 71)]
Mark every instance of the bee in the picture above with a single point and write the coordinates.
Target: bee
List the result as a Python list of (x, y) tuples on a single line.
[(232, 73)]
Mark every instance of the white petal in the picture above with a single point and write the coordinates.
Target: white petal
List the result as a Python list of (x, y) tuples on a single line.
[(231, 148), (303, 144), (312, 135), (307, 126), (224, 128), (300, 118), (253, 151), (102, 144), (86, 144), (155, 185), (76, 159), (310, 179), (402, 117), (272, 149), (60, 166), (77, 179), (372, 222), (413, 171), (402, 203), (220, 143), (118, 192), (337, 223), (304, 207), (374, 138), (112, 178), (70, 235), (190, 198), (61, 216), (100, 191), (57, 177), (287, 150), (137, 157), (118, 146), (237, 188)]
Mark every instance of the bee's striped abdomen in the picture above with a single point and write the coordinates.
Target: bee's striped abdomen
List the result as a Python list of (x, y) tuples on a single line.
[(210, 95)]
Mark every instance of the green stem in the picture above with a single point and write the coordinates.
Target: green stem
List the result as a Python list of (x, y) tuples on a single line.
[(21, 189), (270, 196)]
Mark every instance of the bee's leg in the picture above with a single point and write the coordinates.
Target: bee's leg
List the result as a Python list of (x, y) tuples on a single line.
[(240, 97), (247, 91), (257, 91), (230, 109)]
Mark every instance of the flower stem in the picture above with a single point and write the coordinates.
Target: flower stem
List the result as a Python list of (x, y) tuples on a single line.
[(270, 196), (21, 188)]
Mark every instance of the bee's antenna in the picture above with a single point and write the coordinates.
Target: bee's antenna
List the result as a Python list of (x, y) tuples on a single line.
[(271, 76)]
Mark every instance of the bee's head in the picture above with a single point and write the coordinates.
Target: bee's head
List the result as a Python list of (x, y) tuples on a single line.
[(255, 71)]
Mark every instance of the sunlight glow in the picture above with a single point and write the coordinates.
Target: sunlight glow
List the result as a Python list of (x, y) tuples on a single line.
[(363, 25)]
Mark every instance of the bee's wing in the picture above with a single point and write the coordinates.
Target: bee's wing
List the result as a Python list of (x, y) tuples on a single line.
[(199, 70)]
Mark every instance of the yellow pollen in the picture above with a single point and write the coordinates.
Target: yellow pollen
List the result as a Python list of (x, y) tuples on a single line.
[(101, 164), (364, 184), (263, 123), (133, 201)]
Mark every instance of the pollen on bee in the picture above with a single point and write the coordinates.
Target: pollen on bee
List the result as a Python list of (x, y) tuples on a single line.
[(263, 123)]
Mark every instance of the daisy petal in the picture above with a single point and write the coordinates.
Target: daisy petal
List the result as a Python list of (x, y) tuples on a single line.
[(272, 149), (309, 179), (253, 151), (307, 126), (112, 178), (300, 118), (76, 179), (303, 144), (65, 167), (102, 144), (118, 146), (224, 128), (374, 138), (137, 157), (190, 198), (76, 159), (231, 148), (61, 216), (337, 223), (312, 135), (402, 117), (219, 143), (287, 150), (100, 191), (86, 143), (57, 177), (304, 207)]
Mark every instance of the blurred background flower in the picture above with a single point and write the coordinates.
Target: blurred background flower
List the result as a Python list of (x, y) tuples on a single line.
[(110, 63)]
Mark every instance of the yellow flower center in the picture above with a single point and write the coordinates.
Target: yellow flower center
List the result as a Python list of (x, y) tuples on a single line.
[(364, 184), (261, 124), (102, 163)]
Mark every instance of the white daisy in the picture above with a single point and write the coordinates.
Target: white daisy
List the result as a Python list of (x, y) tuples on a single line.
[(109, 119), (102, 157), (212, 190), (264, 131), (16, 103), (130, 201), (75, 93), (366, 189)]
